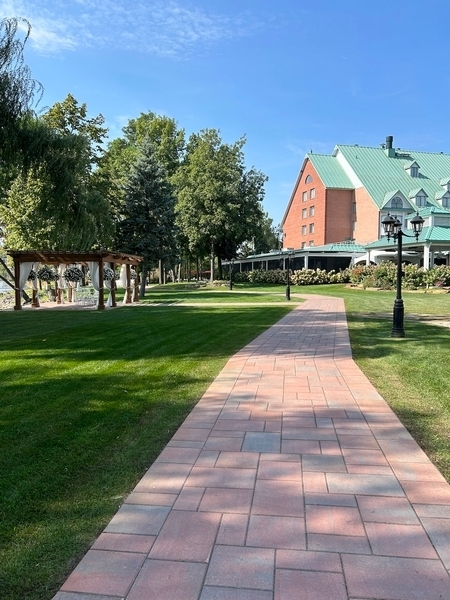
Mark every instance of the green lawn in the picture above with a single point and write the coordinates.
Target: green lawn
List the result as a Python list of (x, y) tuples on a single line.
[(88, 399)]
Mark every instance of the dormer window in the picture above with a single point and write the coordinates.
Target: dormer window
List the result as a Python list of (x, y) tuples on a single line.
[(446, 200), (396, 202), (412, 168), (419, 197), (421, 201)]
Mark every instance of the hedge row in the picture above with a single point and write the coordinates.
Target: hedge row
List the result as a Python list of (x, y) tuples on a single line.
[(382, 276)]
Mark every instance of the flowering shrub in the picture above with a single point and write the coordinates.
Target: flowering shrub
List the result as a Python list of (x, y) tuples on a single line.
[(32, 276), (73, 274), (133, 274), (108, 274), (384, 276), (47, 273)]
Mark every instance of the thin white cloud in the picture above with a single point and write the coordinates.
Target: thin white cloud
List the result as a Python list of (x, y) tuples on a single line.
[(166, 29)]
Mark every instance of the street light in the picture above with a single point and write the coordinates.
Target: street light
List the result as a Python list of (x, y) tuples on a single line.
[(393, 228), (288, 277), (231, 272)]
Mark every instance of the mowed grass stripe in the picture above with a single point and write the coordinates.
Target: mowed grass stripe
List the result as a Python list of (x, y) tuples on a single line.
[(87, 401)]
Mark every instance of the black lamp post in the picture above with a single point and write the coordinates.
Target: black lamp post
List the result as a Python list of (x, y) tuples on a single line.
[(288, 276), (393, 228), (231, 273)]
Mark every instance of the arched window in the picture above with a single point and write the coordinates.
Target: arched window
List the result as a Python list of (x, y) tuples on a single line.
[(396, 202), (308, 179)]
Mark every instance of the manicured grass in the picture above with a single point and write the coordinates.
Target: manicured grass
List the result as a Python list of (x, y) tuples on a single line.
[(88, 399), (241, 293)]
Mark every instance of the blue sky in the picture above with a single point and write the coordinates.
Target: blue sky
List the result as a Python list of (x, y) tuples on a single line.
[(292, 76)]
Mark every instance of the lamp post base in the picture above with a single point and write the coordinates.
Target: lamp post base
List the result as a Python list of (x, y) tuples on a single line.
[(398, 329), (288, 293)]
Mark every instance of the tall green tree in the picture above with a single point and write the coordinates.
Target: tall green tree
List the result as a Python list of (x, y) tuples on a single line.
[(69, 117), (148, 225), (116, 163), (219, 202), (66, 211)]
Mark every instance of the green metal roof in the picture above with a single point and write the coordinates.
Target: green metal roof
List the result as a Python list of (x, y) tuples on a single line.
[(379, 173), (434, 210), (330, 171), (428, 234), (348, 247)]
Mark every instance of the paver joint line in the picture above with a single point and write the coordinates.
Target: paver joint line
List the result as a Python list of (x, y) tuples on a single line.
[(290, 473)]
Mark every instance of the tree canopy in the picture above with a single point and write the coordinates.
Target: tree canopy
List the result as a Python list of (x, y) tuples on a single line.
[(149, 192), (147, 227), (219, 201)]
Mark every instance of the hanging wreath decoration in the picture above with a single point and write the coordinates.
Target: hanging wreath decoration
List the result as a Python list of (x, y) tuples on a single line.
[(46, 273), (32, 276), (108, 274), (73, 274)]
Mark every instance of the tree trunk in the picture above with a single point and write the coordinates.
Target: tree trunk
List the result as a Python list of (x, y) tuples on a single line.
[(143, 279), (219, 268), (161, 274), (211, 278)]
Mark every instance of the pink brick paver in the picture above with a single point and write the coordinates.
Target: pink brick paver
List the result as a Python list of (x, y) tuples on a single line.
[(290, 479)]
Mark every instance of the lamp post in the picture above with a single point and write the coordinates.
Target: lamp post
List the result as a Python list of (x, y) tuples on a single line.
[(288, 274), (231, 273), (393, 228)]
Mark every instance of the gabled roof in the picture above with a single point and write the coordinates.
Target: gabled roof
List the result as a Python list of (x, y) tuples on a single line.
[(379, 172), (330, 171)]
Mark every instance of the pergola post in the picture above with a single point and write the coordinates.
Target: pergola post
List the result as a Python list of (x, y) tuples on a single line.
[(113, 286), (128, 288), (18, 303), (101, 294)]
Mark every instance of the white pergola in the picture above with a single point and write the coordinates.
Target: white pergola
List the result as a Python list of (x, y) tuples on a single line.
[(25, 259)]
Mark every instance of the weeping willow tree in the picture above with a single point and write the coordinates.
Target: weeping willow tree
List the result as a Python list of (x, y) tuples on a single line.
[(47, 199)]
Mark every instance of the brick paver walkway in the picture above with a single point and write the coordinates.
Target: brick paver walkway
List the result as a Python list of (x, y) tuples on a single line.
[(290, 479)]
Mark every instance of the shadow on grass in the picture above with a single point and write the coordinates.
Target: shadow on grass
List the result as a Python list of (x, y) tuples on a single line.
[(371, 337)]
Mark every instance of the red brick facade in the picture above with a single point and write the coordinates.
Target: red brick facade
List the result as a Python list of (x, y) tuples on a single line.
[(317, 215)]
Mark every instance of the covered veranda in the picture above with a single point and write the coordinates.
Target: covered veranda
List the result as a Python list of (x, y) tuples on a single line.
[(26, 260)]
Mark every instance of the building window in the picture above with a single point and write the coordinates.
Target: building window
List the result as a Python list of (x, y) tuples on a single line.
[(446, 201), (311, 242), (311, 211), (421, 200), (304, 230), (308, 179), (304, 213), (414, 171), (396, 202), (311, 228), (303, 244), (312, 193), (305, 196)]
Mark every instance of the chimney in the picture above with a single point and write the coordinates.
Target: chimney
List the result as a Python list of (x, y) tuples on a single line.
[(389, 150)]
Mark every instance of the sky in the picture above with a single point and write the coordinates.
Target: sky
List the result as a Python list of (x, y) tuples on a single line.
[(289, 75)]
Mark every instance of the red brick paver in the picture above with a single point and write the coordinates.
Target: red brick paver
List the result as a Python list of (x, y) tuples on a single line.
[(290, 479)]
